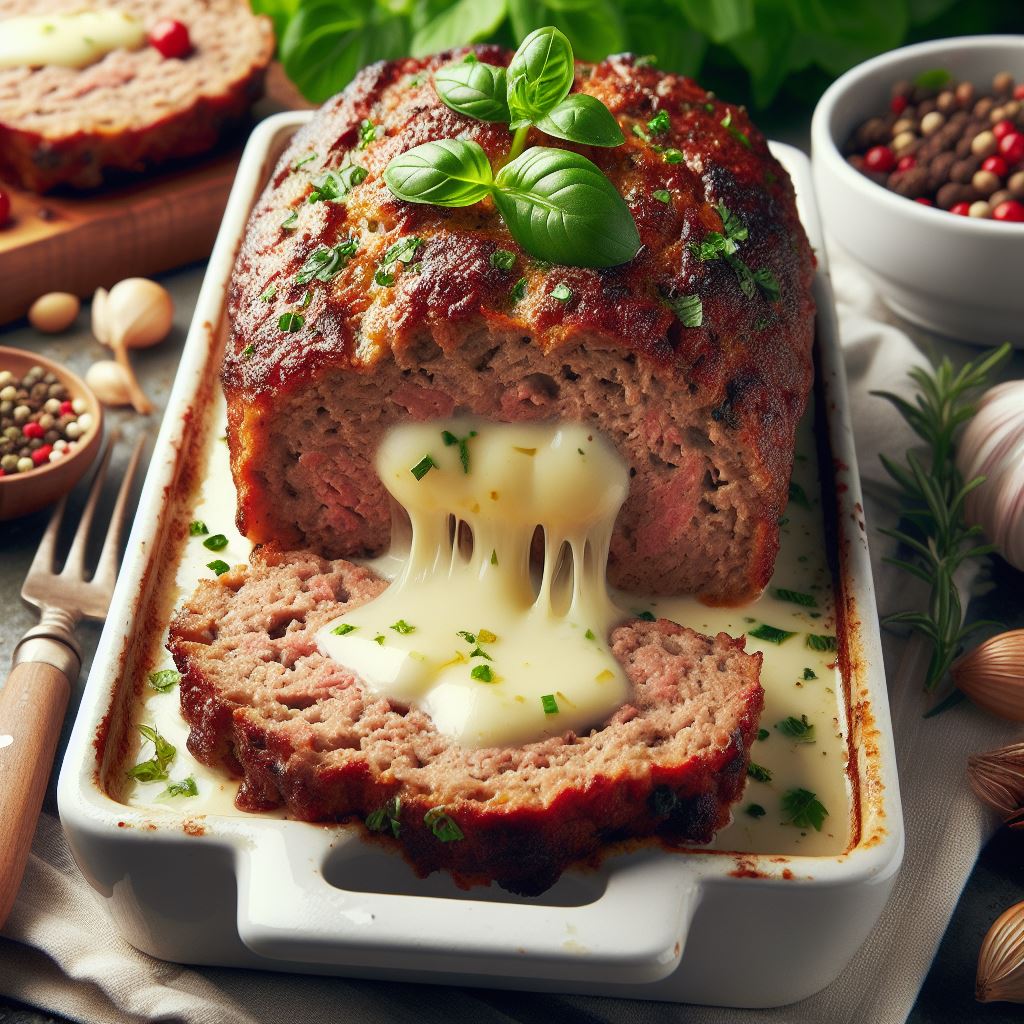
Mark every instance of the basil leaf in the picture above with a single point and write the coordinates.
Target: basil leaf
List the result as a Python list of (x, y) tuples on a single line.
[(594, 27), (584, 119), (441, 24), (540, 75), (451, 172), (477, 90), (562, 209)]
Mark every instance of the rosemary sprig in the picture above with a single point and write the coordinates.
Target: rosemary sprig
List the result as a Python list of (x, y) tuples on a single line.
[(932, 497)]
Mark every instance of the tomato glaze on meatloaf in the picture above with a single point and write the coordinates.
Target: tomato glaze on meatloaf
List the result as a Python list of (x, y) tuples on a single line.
[(705, 415), (302, 731)]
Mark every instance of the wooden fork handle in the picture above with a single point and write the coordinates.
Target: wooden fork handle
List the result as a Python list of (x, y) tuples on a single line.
[(32, 706)]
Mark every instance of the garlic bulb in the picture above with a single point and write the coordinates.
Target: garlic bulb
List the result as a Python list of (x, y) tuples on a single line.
[(1001, 960), (992, 675), (992, 446), (109, 382), (135, 313), (997, 779)]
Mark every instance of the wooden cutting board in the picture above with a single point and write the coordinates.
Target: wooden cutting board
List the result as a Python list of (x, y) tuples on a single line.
[(77, 241)]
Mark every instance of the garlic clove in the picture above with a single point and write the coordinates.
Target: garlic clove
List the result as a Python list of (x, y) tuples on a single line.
[(997, 778), (99, 316), (135, 313), (992, 675), (109, 382), (1001, 960)]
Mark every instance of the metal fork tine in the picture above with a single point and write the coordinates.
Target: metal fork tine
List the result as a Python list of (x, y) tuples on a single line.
[(106, 569), (43, 561), (74, 567)]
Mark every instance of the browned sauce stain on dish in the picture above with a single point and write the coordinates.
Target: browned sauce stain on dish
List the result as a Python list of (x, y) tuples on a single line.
[(191, 827)]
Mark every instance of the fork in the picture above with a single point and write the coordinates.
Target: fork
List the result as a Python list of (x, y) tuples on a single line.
[(46, 664)]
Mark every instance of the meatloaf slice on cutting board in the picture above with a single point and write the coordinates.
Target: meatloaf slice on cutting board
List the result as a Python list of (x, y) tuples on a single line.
[(132, 109), (301, 731), (704, 414)]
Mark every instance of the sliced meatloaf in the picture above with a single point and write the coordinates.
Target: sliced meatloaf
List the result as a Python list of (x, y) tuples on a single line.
[(705, 415), (132, 109), (301, 731)]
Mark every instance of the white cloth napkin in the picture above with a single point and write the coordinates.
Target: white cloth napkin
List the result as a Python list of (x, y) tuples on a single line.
[(61, 953)]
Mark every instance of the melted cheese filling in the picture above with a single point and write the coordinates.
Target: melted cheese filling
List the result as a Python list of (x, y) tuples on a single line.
[(495, 655), (67, 40)]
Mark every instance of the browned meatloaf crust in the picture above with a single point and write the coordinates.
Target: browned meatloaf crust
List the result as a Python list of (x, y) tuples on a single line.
[(705, 416), (132, 109), (301, 731)]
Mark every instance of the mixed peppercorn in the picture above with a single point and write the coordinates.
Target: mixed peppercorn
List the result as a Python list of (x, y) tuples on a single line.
[(40, 422), (949, 145)]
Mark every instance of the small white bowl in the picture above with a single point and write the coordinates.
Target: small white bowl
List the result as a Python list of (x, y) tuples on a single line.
[(958, 276)]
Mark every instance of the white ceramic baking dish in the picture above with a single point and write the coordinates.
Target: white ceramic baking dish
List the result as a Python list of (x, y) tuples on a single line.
[(698, 926)]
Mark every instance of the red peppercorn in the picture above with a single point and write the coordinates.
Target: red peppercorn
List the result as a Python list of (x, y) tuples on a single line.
[(5, 206), (32, 430), (997, 165), (1018, 92), (1001, 128), (3, 472), (66, 409), (170, 37), (1012, 148), (924, 202), (880, 158), (898, 104), (961, 209), (1011, 210), (906, 162), (41, 455)]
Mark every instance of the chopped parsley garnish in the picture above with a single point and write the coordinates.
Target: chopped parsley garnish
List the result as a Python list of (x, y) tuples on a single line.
[(249, 351), (442, 825), (798, 496), (324, 262), (268, 293), (759, 772), (482, 673), (518, 292), (803, 809), (662, 195), (660, 123), (590, 635), (798, 729), (733, 130), (164, 680), (502, 259), (289, 323), (379, 639), (479, 652), (722, 245), (197, 528), (288, 224), (384, 278), (402, 252), (494, 557), (562, 292), (672, 156), (367, 133), (344, 629), (336, 185), (689, 309), (403, 627), (423, 467), (810, 674), (470, 638), (796, 597), (549, 704), (155, 769), (822, 643), (216, 543), (308, 158), (386, 817), (646, 616), (756, 810), (763, 734), (219, 566), (770, 634), (640, 133), (463, 442), (187, 787)]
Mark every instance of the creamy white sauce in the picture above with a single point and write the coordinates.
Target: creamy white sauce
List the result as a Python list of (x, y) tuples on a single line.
[(67, 40), (801, 566)]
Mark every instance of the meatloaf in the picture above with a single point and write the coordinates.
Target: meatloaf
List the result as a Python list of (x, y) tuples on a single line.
[(132, 109), (302, 731), (705, 415)]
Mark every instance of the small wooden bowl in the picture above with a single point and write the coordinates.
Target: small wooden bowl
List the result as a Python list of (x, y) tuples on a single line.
[(21, 493)]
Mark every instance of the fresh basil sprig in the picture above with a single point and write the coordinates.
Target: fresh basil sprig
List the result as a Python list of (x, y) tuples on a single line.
[(558, 205)]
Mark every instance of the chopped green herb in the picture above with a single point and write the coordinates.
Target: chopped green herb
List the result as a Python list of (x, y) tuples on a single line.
[(470, 638), (164, 680), (640, 133), (155, 769), (798, 496), (288, 224), (810, 674), (187, 787), (796, 597), (502, 259), (549, 704), (756, 810), (689, 309), (494, 557), (662, 195), (442, 825), (197, 528), (672, 156), (590, 635), (803, 809), (732, 224), (485, 636), (483, 673), (423, 467), (733, 130), (798, 729), (660, 123), (216, 543), (822, 643), (379, 639), (709, 108), (386, 816), (308, 158), (402, 251), (219, 566), (325, 263), (770, 634), (479, 652), (463, 442), (518, 292), (403, 627), (307, 297), (562, 292), (768, 283), (646, 616), (763, 734), (367, 133), (268, 293), (384, 278), (248, 351), (759, 772), (289, 323), (336, 185), (343, 629)]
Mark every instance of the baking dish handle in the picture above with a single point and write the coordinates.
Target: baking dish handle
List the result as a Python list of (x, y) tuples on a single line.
[(635, 931)]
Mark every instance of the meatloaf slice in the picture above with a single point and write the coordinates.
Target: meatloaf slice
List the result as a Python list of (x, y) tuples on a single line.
[(132, 109), (301, 730), (705, 415)]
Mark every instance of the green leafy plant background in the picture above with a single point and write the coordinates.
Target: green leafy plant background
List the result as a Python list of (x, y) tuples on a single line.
[(763, 52)]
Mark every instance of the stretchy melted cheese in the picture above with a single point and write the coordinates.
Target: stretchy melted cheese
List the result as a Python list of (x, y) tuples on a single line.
[(67, 40), (465, 632)]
